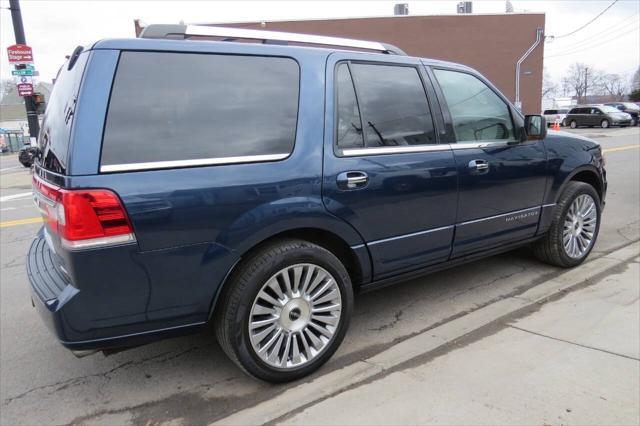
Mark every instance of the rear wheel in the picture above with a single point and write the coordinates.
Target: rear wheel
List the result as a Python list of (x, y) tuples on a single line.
[(573, 124), (574, 228), (605, 124), (286, 311)]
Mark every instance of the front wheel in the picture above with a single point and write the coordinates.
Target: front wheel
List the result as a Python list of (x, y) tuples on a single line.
[(605, 124), (574, 228), (286, 311)]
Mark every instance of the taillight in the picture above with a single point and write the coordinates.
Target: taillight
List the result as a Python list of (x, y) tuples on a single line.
[(84, 218)]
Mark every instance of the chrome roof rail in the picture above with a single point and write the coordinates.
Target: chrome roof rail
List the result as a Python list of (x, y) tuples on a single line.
[(268, 37)]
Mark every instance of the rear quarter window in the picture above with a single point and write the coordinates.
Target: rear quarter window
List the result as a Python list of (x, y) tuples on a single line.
[(181, 109)]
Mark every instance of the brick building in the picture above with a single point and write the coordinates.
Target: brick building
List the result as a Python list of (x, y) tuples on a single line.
[(490, 43)]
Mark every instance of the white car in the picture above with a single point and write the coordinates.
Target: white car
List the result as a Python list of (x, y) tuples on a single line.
[(555, 116)]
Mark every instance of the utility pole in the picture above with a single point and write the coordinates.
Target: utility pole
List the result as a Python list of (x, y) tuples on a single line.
[(29, 102), (586, 82)]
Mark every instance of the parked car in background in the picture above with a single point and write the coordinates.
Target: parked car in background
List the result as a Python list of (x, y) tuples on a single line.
[(556, 116), (264, 190), (597, 115), (630, 108)]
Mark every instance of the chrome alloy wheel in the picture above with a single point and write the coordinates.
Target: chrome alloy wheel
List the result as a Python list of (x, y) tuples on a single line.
[(295, 315), (580, 226)]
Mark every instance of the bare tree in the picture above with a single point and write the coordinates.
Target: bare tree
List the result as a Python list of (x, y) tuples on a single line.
[(614, 85), (549, 87), (635, 80), (7, 86), (582, 80)]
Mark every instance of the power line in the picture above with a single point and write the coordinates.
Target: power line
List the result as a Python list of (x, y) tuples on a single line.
[(610, 30), (594, 45), (589, 42), (596, 17)]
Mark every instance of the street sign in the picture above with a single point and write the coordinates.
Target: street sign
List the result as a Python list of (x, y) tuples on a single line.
[(23, 79), (24, 71), (20, 54), (25, 89)]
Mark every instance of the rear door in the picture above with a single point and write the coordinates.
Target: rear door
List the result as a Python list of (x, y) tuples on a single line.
[(501, 179), (385, 172)]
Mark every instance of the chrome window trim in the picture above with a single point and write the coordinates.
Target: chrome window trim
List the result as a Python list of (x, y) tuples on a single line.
[(354, 152), (413, 234), (191, 163), (483, 144), (199, 30), (499, 215), (548, 205)]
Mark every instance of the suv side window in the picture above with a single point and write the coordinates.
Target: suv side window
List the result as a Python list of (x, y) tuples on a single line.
[(349, 133), (180, 109), (393, 104), (478, 113)]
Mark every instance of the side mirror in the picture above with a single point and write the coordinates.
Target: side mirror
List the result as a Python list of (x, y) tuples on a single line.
[(535, 127)]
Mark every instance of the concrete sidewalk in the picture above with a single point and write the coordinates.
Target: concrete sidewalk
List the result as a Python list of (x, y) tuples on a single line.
[(573, 361)]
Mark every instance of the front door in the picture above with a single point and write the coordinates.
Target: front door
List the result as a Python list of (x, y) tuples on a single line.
[(384, 171), (502, 180)]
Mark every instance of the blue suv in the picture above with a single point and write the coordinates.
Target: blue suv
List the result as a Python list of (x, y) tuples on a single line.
[(257, 186)]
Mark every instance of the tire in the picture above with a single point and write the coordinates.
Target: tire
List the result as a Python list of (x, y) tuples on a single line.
[(244, 302), (564, 123), (573, 124), (605, 124), (551, 248)]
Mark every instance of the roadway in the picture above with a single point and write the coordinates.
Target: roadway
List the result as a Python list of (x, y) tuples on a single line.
[(189, 380)]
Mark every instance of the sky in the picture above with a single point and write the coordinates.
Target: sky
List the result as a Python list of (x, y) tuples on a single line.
[(54, 28)]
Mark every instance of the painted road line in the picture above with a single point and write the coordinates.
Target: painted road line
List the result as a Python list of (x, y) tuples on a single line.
[(10, 168), (18, 222), (621, 148), (15, 196)]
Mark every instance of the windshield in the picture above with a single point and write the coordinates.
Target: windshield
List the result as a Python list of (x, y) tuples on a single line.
[(632, 106)]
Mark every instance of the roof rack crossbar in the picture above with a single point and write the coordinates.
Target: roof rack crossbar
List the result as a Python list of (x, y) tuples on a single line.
[(186, 31)]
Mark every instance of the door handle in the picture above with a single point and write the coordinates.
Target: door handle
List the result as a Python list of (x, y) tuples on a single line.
[(352, 180), (479, 166)]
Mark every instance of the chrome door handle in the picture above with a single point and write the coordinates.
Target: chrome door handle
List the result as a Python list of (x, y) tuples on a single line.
[(352, 180), (479, 166)]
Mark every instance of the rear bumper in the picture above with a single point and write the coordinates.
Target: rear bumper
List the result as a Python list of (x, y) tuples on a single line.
[(70, 312), (50, 287)]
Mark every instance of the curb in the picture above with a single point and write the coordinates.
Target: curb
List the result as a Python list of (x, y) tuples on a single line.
[(337, 381)]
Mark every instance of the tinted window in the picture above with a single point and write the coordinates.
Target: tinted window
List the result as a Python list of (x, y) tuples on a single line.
[(178, 106), (393, 104), (349, 133), (478, 113), (58, 118), (551, 111)]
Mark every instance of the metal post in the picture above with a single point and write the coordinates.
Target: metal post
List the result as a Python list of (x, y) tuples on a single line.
[(539, 32), (586, 82), (29, 102)]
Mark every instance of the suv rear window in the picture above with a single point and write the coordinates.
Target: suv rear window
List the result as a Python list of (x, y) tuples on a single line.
[(58, 118), (195, 109)]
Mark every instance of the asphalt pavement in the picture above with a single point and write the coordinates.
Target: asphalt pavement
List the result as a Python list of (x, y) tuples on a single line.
[(189, 380)]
